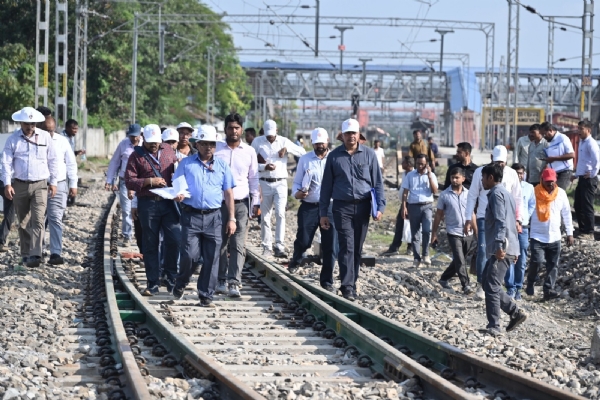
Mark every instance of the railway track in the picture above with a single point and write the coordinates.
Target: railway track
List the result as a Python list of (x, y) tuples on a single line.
[(285, 334)]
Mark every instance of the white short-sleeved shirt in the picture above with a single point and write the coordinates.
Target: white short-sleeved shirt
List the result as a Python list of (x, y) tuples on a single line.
[(379, 153)]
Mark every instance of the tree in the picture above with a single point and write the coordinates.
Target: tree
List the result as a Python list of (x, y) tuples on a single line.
[(17, 75)]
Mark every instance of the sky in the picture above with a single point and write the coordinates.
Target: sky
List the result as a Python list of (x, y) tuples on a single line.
[(533, 48)]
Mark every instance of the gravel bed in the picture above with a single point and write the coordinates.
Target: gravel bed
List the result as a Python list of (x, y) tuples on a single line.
[(553, 345)]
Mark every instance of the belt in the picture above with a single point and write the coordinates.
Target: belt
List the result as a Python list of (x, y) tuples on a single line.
[(22, 181), (357, 201), (309, 203), (153, 198), (563, 170), (193, 210), (420, 204), (238, 201), (271, 179)]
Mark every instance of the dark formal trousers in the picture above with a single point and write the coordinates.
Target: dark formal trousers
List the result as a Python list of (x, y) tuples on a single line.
[(9, 215), (550, 252), (351, 222), (155, 215), (563, 179), (308, 222), (584, 203), (460, 246), (230, 268), (496, 298), (201, 236)]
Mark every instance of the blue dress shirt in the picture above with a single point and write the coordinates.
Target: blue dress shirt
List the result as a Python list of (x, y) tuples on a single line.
[(350, 177), (311, 162), (418, 186), (527, 190), (206, 182)]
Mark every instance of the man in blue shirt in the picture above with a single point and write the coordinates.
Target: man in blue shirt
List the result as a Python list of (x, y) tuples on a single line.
[(417, 198), (350, 172), (307, 189), (516, 272), (209, 181), (588, 162)]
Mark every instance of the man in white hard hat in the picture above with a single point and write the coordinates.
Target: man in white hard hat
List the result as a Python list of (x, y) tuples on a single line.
[(116, 168), (152, 166), (67, 186), (30, 171), (478, 195), (210, 183), (184, 148), (307, 189), (241, 159), (350, 178), (272, 153)]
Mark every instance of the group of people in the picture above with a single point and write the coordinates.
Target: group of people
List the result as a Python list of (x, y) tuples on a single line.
[(230, 182), (479, 205), (39, 175)]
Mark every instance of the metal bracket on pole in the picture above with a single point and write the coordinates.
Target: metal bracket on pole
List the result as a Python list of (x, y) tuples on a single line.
[(41, 55), (60, 63)]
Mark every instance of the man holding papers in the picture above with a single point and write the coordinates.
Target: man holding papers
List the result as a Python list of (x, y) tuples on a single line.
[(151, 166), (307, 189), (351, 171), (559, 154), (209, 182)]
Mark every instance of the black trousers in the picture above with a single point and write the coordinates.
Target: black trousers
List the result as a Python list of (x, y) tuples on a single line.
[(563, 179), (460, 248), (9, 216), (584, 203), (544, 253), (352, 222)]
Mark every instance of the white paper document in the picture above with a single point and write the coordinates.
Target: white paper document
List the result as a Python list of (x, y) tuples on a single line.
[(180, 186), (306, 181)]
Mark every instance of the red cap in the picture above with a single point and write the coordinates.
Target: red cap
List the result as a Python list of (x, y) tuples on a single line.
[(549, 175)]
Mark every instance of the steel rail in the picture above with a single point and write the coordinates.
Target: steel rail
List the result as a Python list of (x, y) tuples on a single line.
[(468, 368)]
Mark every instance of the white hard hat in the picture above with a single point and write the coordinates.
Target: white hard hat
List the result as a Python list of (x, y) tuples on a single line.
[(152, 134), (270, 127), (350, 125), (185, 125), (206, 133), (319, 135), (28, 114), (170, 134)]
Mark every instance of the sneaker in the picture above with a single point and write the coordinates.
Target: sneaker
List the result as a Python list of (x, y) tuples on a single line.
[(150, 291), (329, 288), (529, 289), (293, 267), (409, 250), (33, 262), (518, 295), (468, 289), (551, 294), (511, 293), (222, 287), (427, 260), (178, 293), (234, 290), (416, 263), (517, 319), (267, 252), (280, 253), (3, 248), (493, 332), (479, 294), (444, 284), (390, 252), (169, 284), (56, 259), (207, 303)]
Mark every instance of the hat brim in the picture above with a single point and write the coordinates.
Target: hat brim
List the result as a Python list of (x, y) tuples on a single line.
[(271, 132), (153, 140), (134, 134), (19, 117)]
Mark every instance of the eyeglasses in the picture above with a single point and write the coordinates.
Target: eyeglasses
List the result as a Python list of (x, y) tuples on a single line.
[(185, 134), (207, 144)]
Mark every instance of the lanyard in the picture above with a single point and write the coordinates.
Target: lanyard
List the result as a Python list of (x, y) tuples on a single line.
[(32, 142), (154, 158)]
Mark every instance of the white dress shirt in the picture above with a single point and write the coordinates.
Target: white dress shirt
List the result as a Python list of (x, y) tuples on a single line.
[(118, 162), (380, 155), (270, 152), (244, 168), (29, 159), (67, 163), (559, 146), (477, 193), (549, 231), (588, 159)]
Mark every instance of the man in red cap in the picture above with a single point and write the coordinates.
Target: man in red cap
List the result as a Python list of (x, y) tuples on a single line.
[(551, 205)]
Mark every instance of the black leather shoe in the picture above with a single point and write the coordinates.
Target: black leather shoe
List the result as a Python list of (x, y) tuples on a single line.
[(329, 288), (551, 294), (56, 259), (34, 262)]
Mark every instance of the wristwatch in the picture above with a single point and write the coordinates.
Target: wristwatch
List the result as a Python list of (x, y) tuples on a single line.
[(233, 219)]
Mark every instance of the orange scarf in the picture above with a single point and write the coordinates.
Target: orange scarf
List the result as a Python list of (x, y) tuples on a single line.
[(543, 200)]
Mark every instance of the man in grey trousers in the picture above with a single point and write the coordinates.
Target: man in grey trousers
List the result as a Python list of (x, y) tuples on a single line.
[(419, 186), (502, 249)]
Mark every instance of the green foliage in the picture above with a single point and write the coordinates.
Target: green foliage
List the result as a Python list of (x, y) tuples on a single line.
[(177, 95)]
